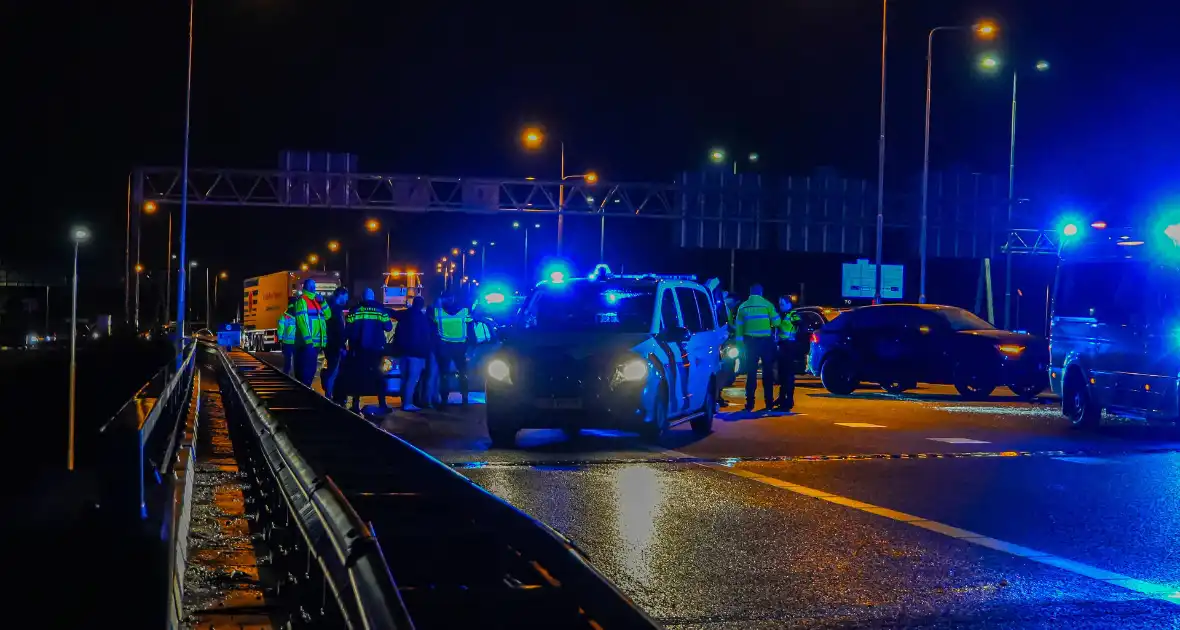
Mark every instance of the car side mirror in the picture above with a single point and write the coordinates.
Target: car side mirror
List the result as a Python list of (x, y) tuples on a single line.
[(675, 334)]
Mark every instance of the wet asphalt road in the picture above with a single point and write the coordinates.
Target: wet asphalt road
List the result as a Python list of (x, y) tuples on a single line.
[(941, 514)]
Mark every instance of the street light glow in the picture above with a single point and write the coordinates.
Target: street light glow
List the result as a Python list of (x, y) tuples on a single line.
[(455, 251), (149, 207), (223, 275), (989, 62), (138, 268), (475, 242), (515, 225), (372, 225), (590, 177), (333, 246), (1042, 65), (532, 138), (717, 155), (192, 263), (753, 157), (986, 29), (303, 267), (313, 259), (80, 234), (471, 252)]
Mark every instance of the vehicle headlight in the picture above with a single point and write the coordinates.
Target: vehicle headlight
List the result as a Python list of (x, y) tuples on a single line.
[(731, 352), (631, 370), (498, 369), (1010, 349), (386, 365)]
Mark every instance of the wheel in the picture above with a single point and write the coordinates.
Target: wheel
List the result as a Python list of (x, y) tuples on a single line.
[(1028, 391), (972, 385), (1076, 403), (654, 430), (502, 431), (837, 376), (703, 425), (898, 387)]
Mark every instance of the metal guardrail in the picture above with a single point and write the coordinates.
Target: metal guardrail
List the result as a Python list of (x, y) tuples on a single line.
[(454, 554), (341, 543), (147, 477)]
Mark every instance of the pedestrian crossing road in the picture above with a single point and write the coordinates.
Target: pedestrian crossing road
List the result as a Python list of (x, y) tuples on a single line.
[(865, 510)]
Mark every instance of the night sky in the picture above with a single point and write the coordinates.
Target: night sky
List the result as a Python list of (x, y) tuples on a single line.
[(637, 90)]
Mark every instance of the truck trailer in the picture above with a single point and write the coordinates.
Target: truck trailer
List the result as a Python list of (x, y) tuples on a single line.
[(264, 299)]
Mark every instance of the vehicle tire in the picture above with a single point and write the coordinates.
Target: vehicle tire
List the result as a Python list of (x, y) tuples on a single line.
[(972, 385), (1028, 392), (703, 425), (502, 431), (837, 376), (1077, 405), (654, 430), (898, 387)]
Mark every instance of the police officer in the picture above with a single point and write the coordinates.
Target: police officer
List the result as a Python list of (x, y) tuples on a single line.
[(754, 326), (334, 350), (286, 334), (365, 332), (788, 330), (451, 322), (311, 331)]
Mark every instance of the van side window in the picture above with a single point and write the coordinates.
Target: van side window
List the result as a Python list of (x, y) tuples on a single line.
[(706, 309), (670, 318), (688, 309)]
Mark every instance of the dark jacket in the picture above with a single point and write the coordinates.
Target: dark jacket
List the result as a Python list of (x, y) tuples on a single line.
[(366, 328), (415, 333), (336, 328)]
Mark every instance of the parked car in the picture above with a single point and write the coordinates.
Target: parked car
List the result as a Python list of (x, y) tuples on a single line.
[(900, 345)]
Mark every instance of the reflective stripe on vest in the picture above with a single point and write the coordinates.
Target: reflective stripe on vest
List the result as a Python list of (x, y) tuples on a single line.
[(755, 321), (286, 328), (451, 328)]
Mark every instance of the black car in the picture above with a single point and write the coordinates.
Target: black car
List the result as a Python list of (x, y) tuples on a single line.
[(900, 345)]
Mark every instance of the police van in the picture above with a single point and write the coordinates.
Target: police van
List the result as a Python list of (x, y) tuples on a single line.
[(1114, 337), (629, 352)]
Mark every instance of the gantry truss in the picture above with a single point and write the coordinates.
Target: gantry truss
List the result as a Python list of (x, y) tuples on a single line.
[(1036, 242), (404, 193)]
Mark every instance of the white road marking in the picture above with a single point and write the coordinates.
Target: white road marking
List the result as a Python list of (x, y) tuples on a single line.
[(1085, 460), (1153, 590), (958, 440), (860, 425)]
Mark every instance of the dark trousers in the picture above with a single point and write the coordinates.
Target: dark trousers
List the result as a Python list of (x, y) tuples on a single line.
[(288, 358), (307, 361), (759, 350), (786, 374), (449, 353), (328, 378), (364, 377)]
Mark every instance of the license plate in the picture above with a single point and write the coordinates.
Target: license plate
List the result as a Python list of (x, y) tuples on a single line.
[(559, 403)]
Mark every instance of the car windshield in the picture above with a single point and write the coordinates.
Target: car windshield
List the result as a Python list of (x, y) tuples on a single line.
[(963, 320), (585, 306)]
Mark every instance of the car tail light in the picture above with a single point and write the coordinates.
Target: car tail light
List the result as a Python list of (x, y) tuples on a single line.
[(814, 337)]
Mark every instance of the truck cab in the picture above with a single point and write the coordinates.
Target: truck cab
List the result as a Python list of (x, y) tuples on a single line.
[(1114, 331)]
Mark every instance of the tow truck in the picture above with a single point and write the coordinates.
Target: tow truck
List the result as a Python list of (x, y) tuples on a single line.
[(1114, 332)]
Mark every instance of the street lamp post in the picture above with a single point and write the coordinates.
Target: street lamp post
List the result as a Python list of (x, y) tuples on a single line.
[(516, 225), (533, 138), (138, 274), (181, 284), (168, 282), (881, 157), (186, 288), (80, 234), (334, 247), (983, 29), (989, 62)]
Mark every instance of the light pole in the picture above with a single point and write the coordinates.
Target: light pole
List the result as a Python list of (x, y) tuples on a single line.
[(720, 156), (989, 62), (138, 274), (224, 275), (516, 225), (168, 282), (533, 138), (181, 284), (982, 29), (881, 156), (80, 235), (186, 288), (373, 226), (335, 247)]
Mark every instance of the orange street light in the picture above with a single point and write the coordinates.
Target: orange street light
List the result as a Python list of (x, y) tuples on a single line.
[(986, 29), (138, 268), (150, 207), (372, 225), (590, 177), (223, 275), (455, 251), (333, 246), (532, 138), (304, 267), (313, 259)]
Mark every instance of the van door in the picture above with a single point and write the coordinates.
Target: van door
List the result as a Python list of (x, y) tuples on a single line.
[(1161, 365), (702, 348), (1123, 324), (676, 369)]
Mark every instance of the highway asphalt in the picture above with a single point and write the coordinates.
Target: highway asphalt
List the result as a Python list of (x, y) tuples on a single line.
[(869, 510)]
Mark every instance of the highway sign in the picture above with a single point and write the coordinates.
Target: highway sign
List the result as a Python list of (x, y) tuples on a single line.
[(859, 280)]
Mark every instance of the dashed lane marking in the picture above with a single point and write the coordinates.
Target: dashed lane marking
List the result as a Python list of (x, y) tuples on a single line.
[(958, 440), (859, 425), (1153, 590), (1085, 460)]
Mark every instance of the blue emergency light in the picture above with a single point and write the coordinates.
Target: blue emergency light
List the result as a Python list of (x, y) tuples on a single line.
[(494, 298)]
